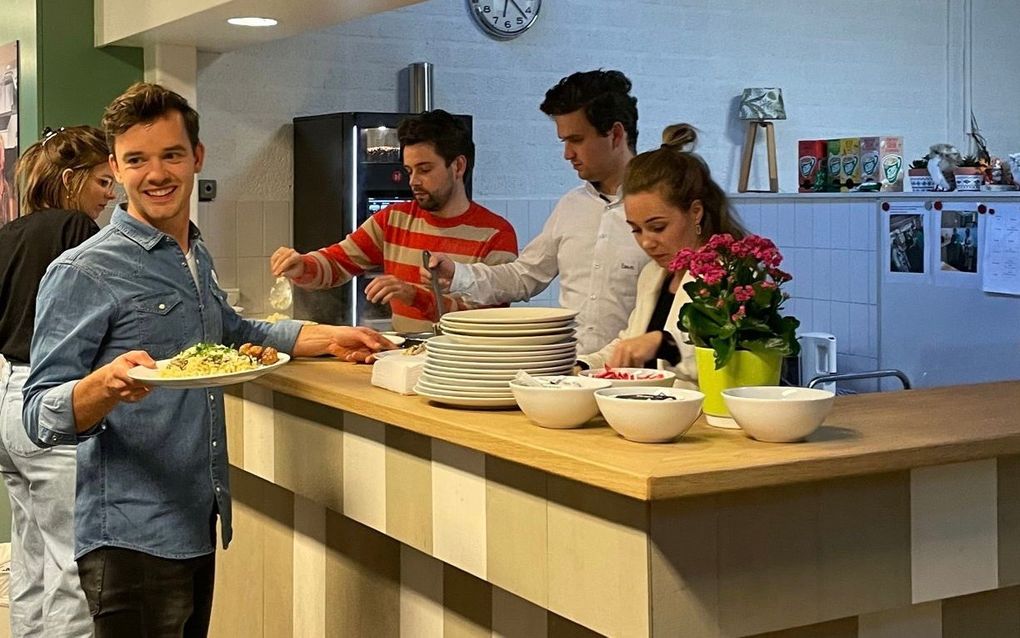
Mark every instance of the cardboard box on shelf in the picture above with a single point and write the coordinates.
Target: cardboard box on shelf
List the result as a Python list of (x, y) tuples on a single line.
[(811, 165), (850, 163), (871, 169), (833, 161), (890, 163)]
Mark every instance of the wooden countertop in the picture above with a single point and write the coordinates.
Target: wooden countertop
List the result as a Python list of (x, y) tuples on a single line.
[(864, 434)]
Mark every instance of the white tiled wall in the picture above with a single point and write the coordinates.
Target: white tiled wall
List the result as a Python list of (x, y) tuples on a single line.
[(528, 216), (830, 248), (242, 236)]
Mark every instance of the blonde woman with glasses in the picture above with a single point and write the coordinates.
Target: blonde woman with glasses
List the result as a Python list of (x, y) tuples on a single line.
[(64, 183)]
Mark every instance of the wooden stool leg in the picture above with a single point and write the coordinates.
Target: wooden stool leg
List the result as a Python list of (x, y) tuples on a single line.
[(745, 161), (770, 136)]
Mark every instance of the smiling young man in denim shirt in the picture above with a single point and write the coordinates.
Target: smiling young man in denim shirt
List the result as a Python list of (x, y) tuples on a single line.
[(152, 463)]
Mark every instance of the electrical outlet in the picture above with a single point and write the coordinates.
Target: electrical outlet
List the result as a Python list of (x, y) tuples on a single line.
[(206, 190)]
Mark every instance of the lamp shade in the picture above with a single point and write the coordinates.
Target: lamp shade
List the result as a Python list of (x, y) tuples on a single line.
[(762, 104)]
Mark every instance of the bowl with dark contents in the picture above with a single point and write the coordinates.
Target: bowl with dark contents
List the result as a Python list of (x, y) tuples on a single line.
[(649, 414)]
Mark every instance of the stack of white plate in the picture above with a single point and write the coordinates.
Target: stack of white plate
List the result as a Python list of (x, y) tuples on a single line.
[(481, 350)]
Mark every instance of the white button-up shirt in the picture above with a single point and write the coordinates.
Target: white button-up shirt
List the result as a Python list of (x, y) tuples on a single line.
[(587, 242)]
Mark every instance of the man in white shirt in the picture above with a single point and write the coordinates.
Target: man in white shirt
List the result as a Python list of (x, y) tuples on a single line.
[(586, 239)]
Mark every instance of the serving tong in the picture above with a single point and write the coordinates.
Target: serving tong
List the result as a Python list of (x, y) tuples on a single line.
[(437, 294)]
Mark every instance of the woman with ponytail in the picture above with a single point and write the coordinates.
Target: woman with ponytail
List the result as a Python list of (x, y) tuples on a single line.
[(672, 203), (64, 183)]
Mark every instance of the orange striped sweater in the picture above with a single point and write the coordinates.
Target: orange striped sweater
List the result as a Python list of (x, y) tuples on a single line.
[(394, 238)]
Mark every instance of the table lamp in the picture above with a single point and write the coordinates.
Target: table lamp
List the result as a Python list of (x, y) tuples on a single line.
[(758, 106)]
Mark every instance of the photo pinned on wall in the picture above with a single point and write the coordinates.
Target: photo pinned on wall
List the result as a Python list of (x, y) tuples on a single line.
[(906, 243), (8, 130), (959, 233), (959, 241)]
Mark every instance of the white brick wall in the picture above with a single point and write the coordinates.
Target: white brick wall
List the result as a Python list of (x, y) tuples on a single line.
[(868, 67)]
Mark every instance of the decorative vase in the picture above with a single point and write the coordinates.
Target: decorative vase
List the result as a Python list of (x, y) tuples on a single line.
[(968, 178), (920, 180), (744, 368)]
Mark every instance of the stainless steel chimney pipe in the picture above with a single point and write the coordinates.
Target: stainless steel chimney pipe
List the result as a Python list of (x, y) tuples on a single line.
[(419, 89)]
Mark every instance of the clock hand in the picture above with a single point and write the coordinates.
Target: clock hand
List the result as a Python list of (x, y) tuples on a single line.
[(506, 3), (516, 6)]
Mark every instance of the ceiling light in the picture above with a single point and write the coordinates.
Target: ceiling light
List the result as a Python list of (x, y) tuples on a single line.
[(253, 22)]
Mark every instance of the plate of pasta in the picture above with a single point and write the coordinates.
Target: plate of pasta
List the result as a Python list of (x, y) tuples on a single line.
[(211, 365)]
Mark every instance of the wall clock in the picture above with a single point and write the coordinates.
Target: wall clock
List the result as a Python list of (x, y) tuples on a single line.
[(504, 19)]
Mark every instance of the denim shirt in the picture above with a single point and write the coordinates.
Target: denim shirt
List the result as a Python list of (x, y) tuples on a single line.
[(153, 474)]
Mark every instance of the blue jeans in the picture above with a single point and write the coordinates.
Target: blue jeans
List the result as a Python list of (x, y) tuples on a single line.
[(46, 595)]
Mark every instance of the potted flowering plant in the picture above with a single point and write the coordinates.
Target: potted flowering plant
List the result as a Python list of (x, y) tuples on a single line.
[(734, 317)]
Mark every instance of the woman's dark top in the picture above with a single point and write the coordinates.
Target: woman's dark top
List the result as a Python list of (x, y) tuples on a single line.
[(668, 351), (27, 246)]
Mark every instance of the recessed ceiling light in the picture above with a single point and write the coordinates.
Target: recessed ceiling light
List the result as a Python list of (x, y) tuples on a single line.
[(253, 22)]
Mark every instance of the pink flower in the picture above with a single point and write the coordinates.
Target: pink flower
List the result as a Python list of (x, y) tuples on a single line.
[(769, 285), (739, 314), (743, 293)]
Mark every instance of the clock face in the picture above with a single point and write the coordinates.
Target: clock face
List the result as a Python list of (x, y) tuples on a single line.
[(505, 18)]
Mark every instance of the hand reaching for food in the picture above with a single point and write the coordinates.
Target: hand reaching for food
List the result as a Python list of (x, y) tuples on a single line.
[(442, 266), (287, 262), (386, 288)]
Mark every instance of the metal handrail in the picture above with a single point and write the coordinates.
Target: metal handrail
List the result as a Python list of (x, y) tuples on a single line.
[(854, 376)]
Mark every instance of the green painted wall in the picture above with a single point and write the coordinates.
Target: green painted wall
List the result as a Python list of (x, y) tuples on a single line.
[(63, 81), (77, 80)]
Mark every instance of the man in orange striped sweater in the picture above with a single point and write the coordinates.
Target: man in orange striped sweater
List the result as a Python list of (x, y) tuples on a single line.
[(438, 153)]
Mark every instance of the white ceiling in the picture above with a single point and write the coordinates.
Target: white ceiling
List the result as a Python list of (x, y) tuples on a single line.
[(203, 23)]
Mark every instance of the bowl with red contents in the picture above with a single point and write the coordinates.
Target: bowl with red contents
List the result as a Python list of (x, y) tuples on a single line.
[(627, 377)]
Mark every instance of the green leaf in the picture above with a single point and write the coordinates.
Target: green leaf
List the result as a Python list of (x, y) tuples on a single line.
[(723, 350)]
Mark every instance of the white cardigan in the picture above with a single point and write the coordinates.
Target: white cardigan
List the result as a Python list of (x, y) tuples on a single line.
[(649, 285)]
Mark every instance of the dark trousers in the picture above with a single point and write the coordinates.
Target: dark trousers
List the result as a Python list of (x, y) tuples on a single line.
[(135, 594)]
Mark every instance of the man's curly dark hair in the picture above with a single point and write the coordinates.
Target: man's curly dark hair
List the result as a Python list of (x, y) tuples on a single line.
[(604, 96)]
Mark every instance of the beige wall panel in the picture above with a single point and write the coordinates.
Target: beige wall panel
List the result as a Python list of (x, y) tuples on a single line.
[(309, 582), (768, 559), (1009, 520), (458, 507), (684, 567), (954, 529), (258, 431), (560, 627), (421, 595), (514, 617), (409, 488), (468, 603), (362, 581), (238, 594), (365, 471), (864, 544), (914, 621), (517, 526), (278, 560), (842, 628), (985, 615), (309, 451), (233, 413), (598, 558)]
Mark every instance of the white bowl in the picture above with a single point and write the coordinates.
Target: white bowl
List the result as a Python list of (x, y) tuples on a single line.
[(559, 407), (664, 381), (650, 421), (778, 414)]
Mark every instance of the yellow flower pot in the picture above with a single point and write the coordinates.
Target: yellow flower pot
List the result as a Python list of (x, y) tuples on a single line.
[(743, 369)]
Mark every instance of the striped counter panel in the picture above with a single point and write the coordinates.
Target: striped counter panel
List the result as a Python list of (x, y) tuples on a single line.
[(346, 526)]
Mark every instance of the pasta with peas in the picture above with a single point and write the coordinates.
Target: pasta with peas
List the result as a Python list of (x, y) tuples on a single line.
[(205, 359)]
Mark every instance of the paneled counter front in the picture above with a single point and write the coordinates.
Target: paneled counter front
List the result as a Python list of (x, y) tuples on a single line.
[(359, 512)]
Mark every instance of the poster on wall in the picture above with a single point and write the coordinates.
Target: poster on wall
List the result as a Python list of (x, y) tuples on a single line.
[(1000, 258), (958, 229), (8, 130), (904, 240)]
